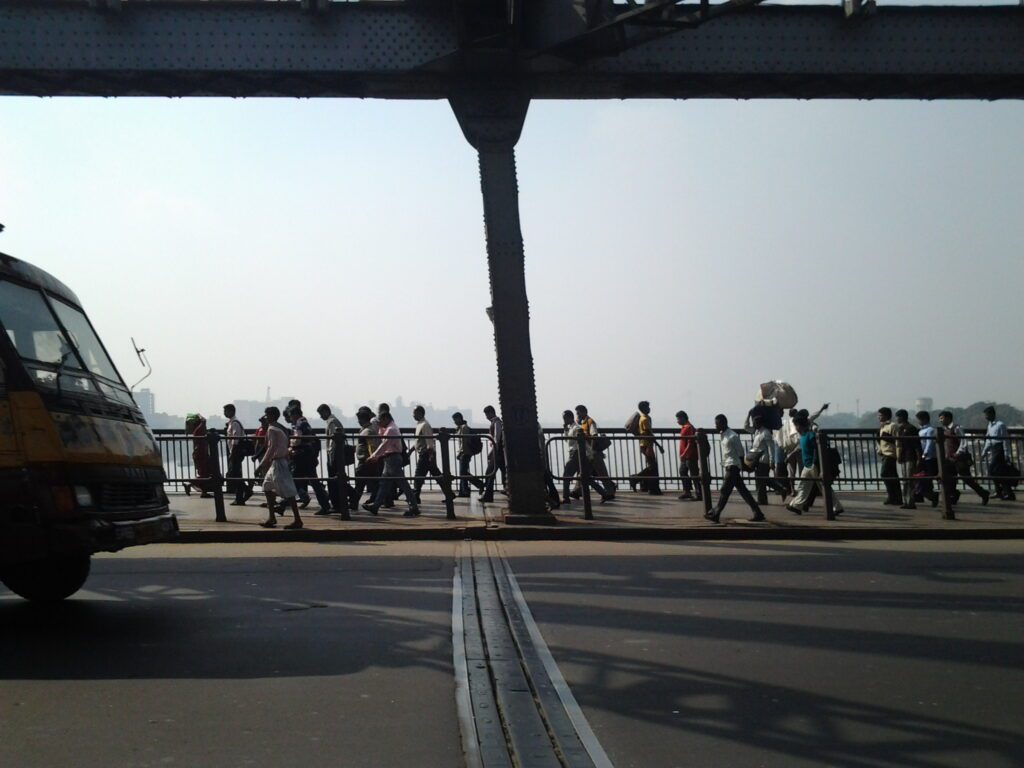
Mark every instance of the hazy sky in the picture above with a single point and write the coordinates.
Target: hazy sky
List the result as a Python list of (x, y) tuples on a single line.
[(678, 251)]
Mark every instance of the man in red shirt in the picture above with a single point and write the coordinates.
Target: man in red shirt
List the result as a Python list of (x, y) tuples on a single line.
[(689, 467)]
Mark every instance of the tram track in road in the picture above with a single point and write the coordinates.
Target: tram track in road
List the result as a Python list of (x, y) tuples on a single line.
[(514, 706)]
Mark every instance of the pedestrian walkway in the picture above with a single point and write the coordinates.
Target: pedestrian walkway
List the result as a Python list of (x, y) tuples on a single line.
[(629, 516)]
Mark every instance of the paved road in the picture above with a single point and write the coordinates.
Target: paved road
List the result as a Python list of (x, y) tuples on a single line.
[(698, 654)]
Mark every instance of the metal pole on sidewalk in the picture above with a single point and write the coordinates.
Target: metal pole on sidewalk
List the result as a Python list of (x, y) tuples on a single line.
[(940, 462), (705, 471), (825, 466), (491, 116), (446, 474), (212, 441), (581, 447)]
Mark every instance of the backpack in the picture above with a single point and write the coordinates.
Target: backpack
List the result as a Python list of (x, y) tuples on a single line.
[(473, 445), (602, 443), (633, 424)]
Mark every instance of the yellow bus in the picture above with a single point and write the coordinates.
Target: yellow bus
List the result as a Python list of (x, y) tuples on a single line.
[(80, 471)]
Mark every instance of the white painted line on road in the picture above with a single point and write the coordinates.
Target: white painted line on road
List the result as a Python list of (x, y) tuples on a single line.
[(572, 708), (463, 705)]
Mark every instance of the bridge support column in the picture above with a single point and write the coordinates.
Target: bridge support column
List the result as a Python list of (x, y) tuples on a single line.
[(492, 119)]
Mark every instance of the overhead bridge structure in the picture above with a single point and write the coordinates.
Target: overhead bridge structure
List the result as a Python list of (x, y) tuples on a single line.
[(489, 58)]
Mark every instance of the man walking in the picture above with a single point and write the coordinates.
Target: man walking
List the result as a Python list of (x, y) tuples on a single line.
[(958, 456), (366, 471), (994, 451), (495, 454), (426, 454), (810, 470), (306, 457), (689, 464), (763, 456), (887, 451), (236, 444), (574, 465), (389, 454), (469, 446), (277, 477), (929, 458), (598, 468), (732, 460), (908, 452), (338, 487), (647, 478)]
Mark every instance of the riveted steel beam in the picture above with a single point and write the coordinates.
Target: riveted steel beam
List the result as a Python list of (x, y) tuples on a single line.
[(415, 50)]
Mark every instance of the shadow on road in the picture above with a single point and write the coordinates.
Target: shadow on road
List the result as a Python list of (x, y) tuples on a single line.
[(236, 618)]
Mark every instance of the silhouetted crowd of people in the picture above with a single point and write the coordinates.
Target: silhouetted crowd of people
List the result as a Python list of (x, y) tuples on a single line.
[(783, 457)]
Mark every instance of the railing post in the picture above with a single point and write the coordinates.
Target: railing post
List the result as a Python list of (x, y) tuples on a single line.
[(826, 474), (940, 462), (705, 471), (212, 441), (446, 473), (581, 447)]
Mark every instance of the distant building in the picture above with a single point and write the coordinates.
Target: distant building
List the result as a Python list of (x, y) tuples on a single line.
[(924, 404), (146, 401)]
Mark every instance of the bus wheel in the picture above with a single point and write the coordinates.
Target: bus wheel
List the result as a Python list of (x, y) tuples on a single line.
[(54, 578)]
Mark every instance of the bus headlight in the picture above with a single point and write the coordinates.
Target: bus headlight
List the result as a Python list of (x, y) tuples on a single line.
[(82, 496)]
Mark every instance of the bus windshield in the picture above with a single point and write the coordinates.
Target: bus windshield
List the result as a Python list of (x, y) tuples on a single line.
[(31, 326), (86, 341), (54, 360)]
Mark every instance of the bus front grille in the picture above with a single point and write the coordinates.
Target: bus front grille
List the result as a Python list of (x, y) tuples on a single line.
[(125, 496)]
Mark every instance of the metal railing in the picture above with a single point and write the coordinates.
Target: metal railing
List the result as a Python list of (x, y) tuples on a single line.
[(859, 470)]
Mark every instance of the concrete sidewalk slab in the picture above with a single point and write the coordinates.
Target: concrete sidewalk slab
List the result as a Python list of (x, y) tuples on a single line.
[(629, 516)]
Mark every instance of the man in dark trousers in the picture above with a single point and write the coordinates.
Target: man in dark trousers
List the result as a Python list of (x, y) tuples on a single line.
[(366, 471), (236, 443), (887, 452), (337, 478), (306, 456), (495, 454), (958, 456), (464, 434), (732, 460)]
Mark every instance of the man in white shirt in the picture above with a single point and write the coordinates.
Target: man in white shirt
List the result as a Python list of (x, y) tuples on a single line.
[(338, 487), (732, 460), (236, 440), (763, 453), (277, 477), (426, 454), (995, 452)]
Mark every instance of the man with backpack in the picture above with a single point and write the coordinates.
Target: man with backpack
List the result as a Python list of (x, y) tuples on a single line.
[(239, 446), (306, 457), (598, 444), (574, 465), (469, 446), (640, 425)]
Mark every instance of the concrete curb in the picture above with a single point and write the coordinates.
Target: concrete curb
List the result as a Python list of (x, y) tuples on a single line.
[(600, 533)]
